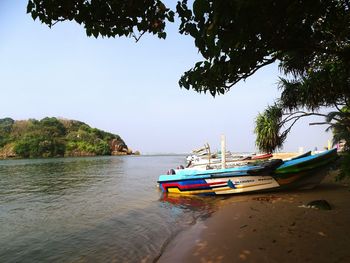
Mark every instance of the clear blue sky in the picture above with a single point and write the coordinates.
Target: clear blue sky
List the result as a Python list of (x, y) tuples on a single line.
[(129, 88)]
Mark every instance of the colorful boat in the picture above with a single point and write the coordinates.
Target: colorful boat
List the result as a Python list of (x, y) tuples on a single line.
[(301, 155), (262, 156), (303, 172)]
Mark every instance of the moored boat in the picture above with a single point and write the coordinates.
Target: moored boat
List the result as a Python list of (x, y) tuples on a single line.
[(301, 155), (215, 161), (303, 172), (262, 156)]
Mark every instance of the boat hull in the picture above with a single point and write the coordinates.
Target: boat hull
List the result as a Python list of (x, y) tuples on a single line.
[(220, 186)]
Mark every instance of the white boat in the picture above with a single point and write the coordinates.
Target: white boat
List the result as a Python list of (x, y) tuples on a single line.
[(204, 159)]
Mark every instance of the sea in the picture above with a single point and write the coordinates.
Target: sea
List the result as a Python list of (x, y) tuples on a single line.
[(92, 209)]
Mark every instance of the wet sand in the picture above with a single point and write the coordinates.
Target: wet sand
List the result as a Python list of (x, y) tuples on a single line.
[(271, 227)]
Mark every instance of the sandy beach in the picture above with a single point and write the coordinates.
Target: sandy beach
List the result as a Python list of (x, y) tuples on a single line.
[(271, 227)]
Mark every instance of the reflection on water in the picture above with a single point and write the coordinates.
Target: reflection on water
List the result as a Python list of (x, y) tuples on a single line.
[(203, 206), (90, 209), (47, 177)]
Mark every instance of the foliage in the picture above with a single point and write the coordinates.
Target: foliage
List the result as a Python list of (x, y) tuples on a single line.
[(341, 128), (235, 37), (5, 129), (108, 18), (51, 137), (309, 40), (326, 86), (269, 124), (6, 125), (341, 134), (34, 146), (345, 166), (99, 148), (267, 128)]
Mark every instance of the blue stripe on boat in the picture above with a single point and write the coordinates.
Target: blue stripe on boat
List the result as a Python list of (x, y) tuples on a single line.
[(304, 159)]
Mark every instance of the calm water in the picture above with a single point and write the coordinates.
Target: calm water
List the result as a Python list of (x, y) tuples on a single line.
[(91, 209)]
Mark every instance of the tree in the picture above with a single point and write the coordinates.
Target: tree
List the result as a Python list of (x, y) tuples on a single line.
[(273, 125), (320, 78), (52, 137), (107, 18), (268, 129), (235, 38), (5, 128), (310, 40)]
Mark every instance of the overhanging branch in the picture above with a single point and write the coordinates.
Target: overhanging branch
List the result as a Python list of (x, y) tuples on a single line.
[(248, 74), (320, 123)]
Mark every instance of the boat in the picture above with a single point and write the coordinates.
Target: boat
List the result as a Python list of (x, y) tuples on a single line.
[(232, 161), (213, 161), (262, 156), (303, 172), (204, 163), (301, 155)]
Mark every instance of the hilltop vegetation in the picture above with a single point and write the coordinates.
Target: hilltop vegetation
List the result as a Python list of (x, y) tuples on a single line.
[(52, 137)]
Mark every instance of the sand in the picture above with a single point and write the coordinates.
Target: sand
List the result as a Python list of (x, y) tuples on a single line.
[(270, 227), (285, 155)]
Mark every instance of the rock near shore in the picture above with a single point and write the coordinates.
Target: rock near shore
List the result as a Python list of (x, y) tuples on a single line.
[(118, 147)]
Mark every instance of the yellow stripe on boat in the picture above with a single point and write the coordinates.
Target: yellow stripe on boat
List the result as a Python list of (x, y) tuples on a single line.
[(215, 190), (283, 181), (252, 185), (177, 190)]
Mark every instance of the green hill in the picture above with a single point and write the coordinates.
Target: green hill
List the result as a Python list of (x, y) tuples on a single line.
[(52, 137)]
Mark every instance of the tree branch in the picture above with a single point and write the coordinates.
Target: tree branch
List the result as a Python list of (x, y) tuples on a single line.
[(138, 38), (290, 127), (319, 123), (304, 114), (290, 114), (58, 20), (335, 105), (246, 75)]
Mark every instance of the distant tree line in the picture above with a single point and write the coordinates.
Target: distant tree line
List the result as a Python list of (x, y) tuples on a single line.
[(52, 137)]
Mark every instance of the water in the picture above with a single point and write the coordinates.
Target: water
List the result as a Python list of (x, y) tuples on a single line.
[(105, 209)]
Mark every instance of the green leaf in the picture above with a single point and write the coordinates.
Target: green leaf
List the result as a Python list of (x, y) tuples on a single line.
[(34, 15), (171, 16), (199, 7), (30, 6), (88, 31), (162, 35), (95, 33)]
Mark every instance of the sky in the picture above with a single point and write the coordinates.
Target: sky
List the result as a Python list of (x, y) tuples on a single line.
[(129, 88)]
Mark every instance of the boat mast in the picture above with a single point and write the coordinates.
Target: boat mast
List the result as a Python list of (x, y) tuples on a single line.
[(223, 152)]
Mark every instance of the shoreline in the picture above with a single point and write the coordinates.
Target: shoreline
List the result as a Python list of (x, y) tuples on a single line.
[(270, 227), (66, 157)]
